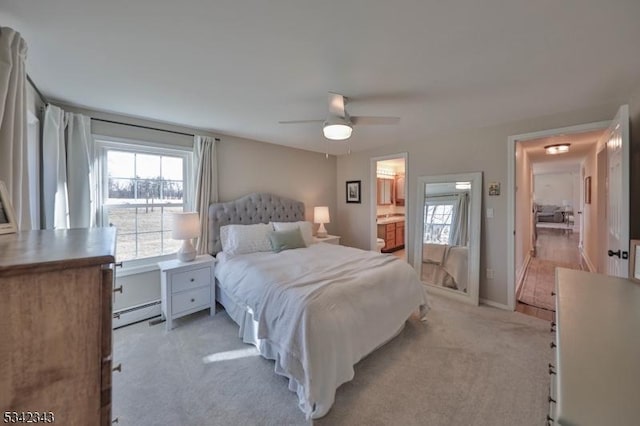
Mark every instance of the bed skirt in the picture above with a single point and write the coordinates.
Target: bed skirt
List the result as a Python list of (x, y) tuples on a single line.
[(243, 316)]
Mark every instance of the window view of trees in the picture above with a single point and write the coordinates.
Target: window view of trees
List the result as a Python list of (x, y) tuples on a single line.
[(142, 190), (437, 220)]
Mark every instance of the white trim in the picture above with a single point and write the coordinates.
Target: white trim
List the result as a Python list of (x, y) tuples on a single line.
[(523, 272), (587, 261), (373, 196), (511, 210), (495, 304)]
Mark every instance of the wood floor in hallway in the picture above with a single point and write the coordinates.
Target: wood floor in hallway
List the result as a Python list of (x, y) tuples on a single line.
[(555, 248)]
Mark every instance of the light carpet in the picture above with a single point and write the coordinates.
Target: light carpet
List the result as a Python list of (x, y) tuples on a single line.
[(466, 366), (539, 282)]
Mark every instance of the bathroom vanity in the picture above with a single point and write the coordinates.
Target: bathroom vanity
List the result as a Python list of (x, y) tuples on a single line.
[(391, 230)]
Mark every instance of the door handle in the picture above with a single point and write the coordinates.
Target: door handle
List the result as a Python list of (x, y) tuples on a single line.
[(612, 253)]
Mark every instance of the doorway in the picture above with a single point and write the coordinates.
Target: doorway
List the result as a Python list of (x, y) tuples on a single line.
[(389, 204)]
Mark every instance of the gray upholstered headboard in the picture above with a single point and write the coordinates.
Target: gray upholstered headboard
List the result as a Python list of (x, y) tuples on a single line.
[(250, 209)]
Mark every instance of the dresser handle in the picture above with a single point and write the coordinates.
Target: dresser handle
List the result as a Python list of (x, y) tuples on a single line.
[(553, 327), (549, 420), (552, 345), (118, 265), (553, 293), (115, 420), (193, 300), (551, 399), (118, 290), (192, 279), (118, 368), (551, 369)]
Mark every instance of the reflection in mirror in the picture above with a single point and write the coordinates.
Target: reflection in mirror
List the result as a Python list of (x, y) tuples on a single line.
[(448, 252)]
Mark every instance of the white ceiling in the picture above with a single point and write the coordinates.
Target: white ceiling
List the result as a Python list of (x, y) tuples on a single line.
[(580, 145), (238, 67)]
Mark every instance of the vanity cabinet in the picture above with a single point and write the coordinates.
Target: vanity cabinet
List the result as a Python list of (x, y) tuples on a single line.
[(393, 236), (399, 184), (56, 290)]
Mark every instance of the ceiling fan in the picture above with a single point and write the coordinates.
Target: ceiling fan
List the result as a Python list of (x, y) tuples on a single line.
[(339, 124)]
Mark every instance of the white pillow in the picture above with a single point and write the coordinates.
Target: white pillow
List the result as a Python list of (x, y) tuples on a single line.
[(305, 227), (243, 239)]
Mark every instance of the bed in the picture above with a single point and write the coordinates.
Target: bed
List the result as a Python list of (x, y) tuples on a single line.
[(445, 265), (315, 311)]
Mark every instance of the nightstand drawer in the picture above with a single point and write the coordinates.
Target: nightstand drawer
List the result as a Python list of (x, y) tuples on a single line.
[(190, 299), (191, 279)]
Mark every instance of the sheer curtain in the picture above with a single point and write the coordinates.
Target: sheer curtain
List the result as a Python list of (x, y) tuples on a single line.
[(460, 226), (206, 184), (69, 186), (14, 157)]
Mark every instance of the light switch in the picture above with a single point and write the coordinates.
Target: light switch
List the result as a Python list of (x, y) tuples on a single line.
[(490, 213)]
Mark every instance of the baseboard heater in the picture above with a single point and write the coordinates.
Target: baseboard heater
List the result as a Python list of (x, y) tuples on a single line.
[(136, 313)]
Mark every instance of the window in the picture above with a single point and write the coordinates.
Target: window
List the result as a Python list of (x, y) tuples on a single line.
[(141, 186), (437, 220)]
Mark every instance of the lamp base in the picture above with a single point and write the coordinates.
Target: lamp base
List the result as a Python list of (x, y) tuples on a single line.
[(322, 232), (187, 252)]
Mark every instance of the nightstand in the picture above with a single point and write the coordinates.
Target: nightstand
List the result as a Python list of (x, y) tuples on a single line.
[(187, 287), (330, 239)]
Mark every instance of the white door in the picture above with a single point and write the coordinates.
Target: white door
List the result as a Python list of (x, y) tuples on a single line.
[(618, 194)]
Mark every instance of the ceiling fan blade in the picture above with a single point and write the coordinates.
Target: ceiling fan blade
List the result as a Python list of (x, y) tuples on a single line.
[(368, 121), (300, 121), (336, 104)]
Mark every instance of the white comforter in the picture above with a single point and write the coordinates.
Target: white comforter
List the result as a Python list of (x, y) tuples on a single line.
[(322, 309)]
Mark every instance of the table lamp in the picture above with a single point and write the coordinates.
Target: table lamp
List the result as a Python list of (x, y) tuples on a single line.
[(321, 216), (186, 226)]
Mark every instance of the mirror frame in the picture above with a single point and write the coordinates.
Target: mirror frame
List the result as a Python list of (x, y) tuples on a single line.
[(634, 261), (472, 296)]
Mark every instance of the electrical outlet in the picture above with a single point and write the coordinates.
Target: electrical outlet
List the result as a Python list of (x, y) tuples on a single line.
[(489, 274)]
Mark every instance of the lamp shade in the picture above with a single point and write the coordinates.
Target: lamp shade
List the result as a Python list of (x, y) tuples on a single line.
[(185, 226), (321, 214)]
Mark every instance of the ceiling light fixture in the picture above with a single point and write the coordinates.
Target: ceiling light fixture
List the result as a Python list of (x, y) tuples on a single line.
[(337, 129), (560, 148)]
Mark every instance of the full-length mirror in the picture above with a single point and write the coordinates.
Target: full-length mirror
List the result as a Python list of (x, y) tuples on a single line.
[(447, 255)]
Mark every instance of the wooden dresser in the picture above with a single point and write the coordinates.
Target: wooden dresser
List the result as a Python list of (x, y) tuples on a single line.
[(56, 292), (595, 378)]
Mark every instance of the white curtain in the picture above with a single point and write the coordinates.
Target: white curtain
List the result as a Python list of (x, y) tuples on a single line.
[(460, 226), (13, 124), (206, 184), (68, 157)]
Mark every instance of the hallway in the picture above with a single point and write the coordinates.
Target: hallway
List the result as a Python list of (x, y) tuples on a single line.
[(555, 248)]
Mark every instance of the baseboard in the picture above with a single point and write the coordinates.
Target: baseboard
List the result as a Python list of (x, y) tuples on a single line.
[(136, 313), (495, 304), (522, 274), (587, 261)]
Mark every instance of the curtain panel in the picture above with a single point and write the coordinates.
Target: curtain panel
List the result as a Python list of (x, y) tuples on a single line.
[(13, 124), (69, 183), (206, 184)]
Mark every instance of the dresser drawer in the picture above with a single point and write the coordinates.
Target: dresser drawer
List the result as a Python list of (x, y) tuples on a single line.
[(191, 279), (191, 299)]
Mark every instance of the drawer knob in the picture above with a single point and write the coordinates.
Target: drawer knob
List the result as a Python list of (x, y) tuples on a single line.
[(553, 327), (553, 293), (192, 279), (193, 300), (549, 420), (118, 368), (118, 290), (119, 265), (551, 369), (551, 399), (115, 420), (552, 345)]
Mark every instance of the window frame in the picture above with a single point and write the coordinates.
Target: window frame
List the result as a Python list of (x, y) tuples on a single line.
[(439, 201), (103, 144)]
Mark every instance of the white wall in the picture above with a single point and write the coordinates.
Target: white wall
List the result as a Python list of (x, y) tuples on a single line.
[(474, 150), (554, 188)]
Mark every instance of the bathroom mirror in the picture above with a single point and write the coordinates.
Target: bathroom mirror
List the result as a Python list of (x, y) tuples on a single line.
[(447, 253)]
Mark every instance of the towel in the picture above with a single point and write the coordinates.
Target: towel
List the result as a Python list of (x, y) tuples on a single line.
[(434, 253)]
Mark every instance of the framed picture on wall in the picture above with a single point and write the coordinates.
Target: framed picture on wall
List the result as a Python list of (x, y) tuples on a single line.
[(7, 216), (353, 191), (587, 190)]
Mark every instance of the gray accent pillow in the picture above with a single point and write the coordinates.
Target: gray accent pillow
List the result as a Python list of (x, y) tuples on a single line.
[(286, 240)]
